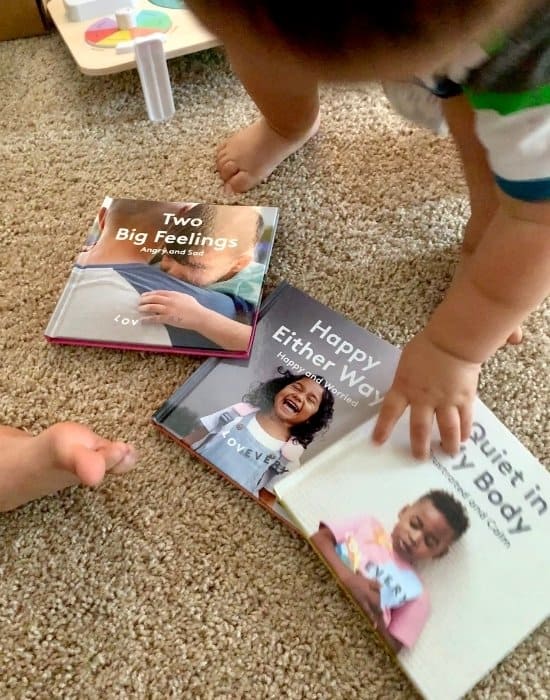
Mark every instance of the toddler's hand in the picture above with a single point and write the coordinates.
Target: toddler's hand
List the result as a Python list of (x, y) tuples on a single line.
[(367, 593), (432, 382), (171, 308)]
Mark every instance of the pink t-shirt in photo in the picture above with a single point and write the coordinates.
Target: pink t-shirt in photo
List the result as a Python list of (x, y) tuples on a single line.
[(365, 547)]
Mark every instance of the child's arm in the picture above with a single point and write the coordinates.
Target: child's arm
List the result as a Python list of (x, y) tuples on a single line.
[(507, 277), (184, 311), (503, 275)]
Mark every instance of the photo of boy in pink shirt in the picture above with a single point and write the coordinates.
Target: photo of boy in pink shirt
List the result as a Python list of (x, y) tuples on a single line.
[(378, 568)]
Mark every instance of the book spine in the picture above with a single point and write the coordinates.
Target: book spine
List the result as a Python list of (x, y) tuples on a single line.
[(64, 300)]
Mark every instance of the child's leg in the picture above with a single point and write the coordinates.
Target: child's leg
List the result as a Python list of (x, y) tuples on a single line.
[(289, 103), (63, 455), (479, 179)]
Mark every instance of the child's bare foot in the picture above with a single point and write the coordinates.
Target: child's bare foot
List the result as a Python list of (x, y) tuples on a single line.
[(516, 336), (63, 455), (252, 154)]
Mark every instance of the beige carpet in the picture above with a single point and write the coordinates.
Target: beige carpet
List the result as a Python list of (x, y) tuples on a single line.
[(168, 583)]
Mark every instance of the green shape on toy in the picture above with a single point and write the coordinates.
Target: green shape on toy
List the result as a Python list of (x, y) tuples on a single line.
[(170, 4)]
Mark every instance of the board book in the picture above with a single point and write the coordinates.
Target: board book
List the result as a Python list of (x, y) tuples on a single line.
[(180, 277), (447, 558), (300, 345)]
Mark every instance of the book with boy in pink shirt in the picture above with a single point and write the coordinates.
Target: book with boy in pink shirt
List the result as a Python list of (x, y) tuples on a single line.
[(378, 568)]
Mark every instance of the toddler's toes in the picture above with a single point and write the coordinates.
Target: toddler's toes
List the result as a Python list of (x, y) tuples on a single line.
[(121, 459), (228, 169), (516, 337), (88, 465), (221, 149), (241, 182)]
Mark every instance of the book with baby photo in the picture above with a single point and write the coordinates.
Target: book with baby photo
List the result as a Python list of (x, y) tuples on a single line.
[(312, 376), (446, 558), (178, 277)]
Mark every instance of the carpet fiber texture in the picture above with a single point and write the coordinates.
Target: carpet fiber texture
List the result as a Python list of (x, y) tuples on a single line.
[(168, 582)]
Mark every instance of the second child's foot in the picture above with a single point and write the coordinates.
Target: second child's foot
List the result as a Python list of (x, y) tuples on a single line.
[(63, 455), (515, 337), (252, 154)]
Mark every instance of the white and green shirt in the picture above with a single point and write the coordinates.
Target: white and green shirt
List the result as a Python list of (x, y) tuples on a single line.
[(510, 93)]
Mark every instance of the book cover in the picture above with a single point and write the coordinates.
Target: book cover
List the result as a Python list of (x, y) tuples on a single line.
[(447, 558), (178, 277), (312, 377)]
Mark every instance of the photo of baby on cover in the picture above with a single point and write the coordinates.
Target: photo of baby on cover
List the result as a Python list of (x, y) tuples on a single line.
[(174, 274)]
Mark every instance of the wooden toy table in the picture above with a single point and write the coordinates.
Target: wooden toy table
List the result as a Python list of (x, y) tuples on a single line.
[(185, 35)]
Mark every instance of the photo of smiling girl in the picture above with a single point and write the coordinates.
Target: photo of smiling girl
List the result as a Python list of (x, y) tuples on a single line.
[(257, 441)]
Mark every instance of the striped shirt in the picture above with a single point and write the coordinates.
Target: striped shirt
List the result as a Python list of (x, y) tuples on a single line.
[(510, 93)]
